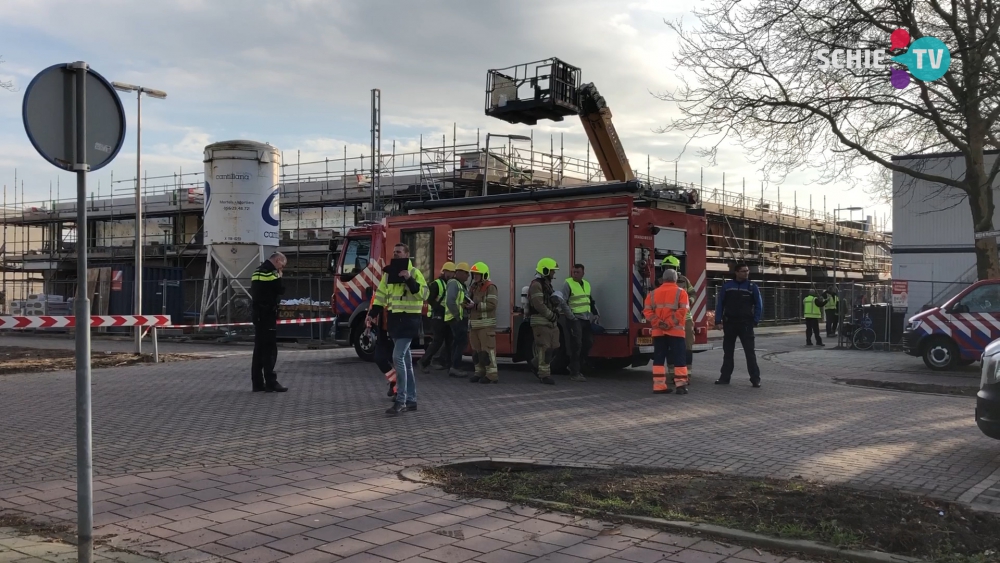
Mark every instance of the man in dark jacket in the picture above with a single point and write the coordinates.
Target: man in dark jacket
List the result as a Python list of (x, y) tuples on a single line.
[(738, 310), (442, 332), (266, 290)]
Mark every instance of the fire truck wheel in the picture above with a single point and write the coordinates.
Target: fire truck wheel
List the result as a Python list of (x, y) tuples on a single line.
[(940, 354), (364, 344)]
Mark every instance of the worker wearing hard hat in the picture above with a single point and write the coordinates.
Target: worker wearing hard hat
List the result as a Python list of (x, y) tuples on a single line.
[(666, 308), (543, 319), (674, 263), (456, 306), (435, 310), (483, 321), (581, 302)]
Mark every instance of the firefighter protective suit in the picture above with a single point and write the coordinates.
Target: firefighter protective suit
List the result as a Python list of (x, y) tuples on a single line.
[(483, 324), (674, 263), (543, 319), (666, 309)]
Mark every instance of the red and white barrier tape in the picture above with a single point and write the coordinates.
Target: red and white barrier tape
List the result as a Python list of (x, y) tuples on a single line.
[(47, 321)]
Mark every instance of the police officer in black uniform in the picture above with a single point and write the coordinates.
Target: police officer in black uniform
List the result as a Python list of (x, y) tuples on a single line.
[(738, 309), (266, 290)]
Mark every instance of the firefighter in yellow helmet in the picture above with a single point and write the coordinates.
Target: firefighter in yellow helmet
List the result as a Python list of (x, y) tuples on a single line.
[(435, 310), (483, 322), (674, 263), (543, 319)]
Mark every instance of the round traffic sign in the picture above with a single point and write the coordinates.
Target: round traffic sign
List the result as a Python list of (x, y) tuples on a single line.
[(49, 111)]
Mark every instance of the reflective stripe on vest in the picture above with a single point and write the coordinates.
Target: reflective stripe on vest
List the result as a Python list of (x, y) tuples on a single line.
[(459, 301), (396, 298), (579, 299), (264, 276), (672, 306), (811, 310)]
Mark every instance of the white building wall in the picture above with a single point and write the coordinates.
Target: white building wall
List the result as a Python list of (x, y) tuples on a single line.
[(933, 240)]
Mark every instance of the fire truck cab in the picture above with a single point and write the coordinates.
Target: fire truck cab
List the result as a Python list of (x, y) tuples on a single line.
[(620, 232)]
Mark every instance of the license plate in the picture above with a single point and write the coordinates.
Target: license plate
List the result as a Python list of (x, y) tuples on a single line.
[(645, 349), (644, 341)]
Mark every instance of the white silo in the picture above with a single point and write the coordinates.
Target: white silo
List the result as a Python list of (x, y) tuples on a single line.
[(241, 219)]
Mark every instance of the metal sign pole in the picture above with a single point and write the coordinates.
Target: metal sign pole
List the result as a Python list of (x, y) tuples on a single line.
[(84, 464), (60, 132)]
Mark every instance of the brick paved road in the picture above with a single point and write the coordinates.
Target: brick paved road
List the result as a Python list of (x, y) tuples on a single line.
[(351, 512), (202, 414)]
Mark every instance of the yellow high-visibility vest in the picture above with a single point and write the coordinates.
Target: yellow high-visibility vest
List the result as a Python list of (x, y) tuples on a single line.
[(812, 311), (396, 297), (579, 298)]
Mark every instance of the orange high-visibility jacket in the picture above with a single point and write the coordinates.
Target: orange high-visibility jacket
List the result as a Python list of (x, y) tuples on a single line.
[(666, 309)]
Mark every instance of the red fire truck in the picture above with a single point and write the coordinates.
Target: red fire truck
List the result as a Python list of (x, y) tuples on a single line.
[(619, 231)]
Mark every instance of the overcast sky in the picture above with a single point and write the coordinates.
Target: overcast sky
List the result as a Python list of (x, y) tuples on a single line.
[(298, 74)]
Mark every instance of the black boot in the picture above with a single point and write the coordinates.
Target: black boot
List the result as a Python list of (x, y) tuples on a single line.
[(275, 387)]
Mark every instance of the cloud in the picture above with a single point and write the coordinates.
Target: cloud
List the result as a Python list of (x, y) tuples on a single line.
[(298, 73)]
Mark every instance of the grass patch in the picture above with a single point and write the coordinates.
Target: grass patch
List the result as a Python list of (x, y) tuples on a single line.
[(844, 517)]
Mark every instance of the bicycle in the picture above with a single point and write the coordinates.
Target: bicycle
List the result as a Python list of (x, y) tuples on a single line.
[(864, 338)]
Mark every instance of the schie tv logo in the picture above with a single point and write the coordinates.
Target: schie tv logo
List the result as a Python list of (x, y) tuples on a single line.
[(927, 58)]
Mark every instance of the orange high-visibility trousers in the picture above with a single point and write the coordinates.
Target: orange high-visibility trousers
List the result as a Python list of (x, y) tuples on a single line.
[(668, 347)]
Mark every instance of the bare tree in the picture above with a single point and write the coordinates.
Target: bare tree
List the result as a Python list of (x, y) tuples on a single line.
[(760, 81), (6, 84)]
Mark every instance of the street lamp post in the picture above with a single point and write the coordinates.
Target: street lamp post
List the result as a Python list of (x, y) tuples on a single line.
[(139, 91), (486, 162)]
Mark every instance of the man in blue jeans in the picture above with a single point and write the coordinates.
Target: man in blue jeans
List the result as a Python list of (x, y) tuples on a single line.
[(404, 303), (738, 309)]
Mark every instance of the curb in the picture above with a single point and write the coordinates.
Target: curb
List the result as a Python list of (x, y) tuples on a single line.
[(802, 546)]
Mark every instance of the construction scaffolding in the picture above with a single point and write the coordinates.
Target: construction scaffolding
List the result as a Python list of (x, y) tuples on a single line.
[(787, 246)]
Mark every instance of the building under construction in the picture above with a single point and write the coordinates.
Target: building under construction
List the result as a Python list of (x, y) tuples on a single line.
[(788, 247)]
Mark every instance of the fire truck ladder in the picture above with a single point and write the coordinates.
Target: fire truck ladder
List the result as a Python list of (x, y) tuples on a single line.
[(596, 118)]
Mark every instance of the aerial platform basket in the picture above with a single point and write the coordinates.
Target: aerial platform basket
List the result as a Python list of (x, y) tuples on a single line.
[(525, 93)]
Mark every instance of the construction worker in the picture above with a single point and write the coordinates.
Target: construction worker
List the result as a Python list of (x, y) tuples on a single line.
[(456, 306), (483, 323), (666, 309), (266, 290), (543, 319), (738, 309), (581, 302), (832, 309), (435, 310), (812, 310), (674, 263), (404, 303)]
